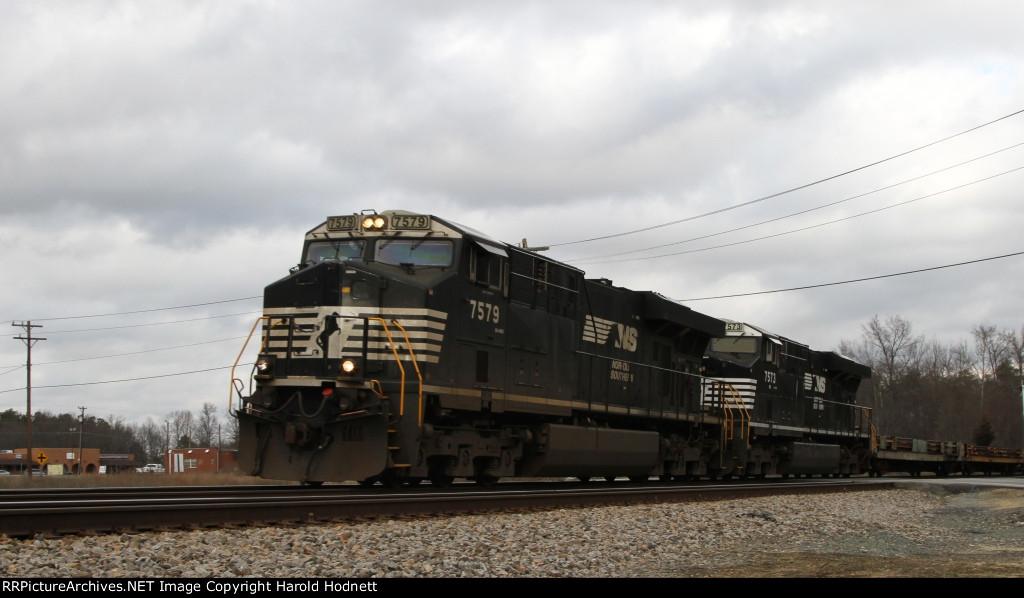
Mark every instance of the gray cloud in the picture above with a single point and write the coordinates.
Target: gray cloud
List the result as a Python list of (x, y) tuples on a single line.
[(174, 154)]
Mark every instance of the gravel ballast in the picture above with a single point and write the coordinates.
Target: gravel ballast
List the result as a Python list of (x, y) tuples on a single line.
[(662, 540)]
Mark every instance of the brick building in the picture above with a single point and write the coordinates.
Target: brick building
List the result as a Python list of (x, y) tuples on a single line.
[(52, 460), (200, 460)]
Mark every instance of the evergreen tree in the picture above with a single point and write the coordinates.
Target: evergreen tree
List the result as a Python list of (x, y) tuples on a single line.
[(984, 434)]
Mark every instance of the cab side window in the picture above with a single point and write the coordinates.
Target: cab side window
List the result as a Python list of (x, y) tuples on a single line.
[(488, 267)]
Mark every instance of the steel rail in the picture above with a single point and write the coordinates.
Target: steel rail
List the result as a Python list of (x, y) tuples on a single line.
[(32, 515)]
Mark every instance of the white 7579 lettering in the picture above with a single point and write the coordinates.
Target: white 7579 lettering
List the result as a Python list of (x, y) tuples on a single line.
[(483, 311)]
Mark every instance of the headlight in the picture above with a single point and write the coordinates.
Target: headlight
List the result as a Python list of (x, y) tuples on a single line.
[(374, 222), (348, 366), (264, 366)]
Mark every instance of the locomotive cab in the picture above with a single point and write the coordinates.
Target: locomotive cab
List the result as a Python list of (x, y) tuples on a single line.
[(743, 349), (347, 338), (390, 350), (800, 402)]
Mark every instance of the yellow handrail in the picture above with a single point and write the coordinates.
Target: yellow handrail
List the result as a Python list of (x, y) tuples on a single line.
[(873, 443), (419, 375), (263, 347), (401, 368), (391, 343), (231, 391), (737, 400)]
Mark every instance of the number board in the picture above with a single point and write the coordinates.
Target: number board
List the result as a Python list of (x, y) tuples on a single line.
[(342, 222), (410, 222), (397, 221)]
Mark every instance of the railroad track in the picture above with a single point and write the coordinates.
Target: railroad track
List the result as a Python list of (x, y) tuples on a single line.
[(54, 512)]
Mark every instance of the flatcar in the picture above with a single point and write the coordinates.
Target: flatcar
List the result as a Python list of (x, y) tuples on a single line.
[(405, 347)]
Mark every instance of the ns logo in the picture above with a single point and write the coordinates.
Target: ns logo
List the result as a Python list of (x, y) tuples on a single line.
[(597, 330)]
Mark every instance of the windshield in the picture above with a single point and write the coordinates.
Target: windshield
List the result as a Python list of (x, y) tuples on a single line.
[(734, 344), (340, 250), (414, 252)]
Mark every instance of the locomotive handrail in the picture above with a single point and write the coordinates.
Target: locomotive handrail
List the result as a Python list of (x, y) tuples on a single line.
[(401, 368), (415, 365), (873, 432), (263, 347), (727, 409), (233, 389)]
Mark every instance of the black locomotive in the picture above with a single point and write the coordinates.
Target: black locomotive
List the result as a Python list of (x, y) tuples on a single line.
[(405, 347)]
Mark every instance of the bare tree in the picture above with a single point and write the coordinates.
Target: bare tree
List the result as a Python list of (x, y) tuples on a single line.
[(1014, 343), (231, 432), (152, 437), (893, 346), (181, 428), (991, 350), (205, 429), (961, 361)]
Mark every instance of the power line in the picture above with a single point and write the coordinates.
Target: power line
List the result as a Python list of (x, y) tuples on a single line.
[(14, 368), (780, 193), (829, 284), (153, 323), (142, 311), (797, 230), (154, 377), (156, 309), (593, 259), (800, 288), (220, 340)]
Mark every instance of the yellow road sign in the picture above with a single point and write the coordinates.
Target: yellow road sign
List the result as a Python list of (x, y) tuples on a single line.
[(41, 458)]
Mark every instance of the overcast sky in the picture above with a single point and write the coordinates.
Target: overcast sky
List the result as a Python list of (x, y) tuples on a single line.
[(161, 161)]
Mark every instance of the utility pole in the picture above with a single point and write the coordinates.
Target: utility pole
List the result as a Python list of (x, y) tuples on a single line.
[(167, 447), (81, 428), (218, 447), (29, 342)]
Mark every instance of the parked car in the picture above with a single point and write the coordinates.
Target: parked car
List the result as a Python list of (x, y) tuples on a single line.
[(151, 468)]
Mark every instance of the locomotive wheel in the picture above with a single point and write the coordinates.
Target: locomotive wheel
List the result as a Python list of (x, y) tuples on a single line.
[(441, 480), (368, 482), (486, 481), (311, 484), (583, 478), (609, 478)]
